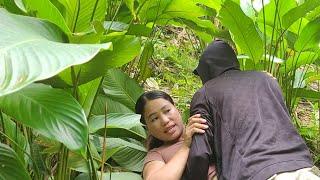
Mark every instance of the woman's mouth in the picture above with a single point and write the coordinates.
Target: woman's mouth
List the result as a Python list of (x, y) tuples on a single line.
[(171, 129)]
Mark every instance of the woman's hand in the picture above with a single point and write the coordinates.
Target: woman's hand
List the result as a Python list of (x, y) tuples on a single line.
[(196, 124)]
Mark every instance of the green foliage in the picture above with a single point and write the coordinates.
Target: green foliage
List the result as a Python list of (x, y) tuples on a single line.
[(175, 63), (118, 125), (50, 112), (73, 46), (120, 87), (33, 50), (242, 28), (11, 166)]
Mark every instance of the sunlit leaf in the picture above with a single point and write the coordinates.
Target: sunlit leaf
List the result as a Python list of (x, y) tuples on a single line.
[(52, 112)]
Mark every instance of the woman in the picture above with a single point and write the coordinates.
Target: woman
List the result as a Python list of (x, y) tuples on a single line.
[(169, 140)]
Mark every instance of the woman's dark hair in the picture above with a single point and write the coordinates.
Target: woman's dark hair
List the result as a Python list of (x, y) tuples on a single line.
[(151, 142)]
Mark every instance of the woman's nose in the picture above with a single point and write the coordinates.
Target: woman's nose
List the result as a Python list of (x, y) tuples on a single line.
[(164, 120)]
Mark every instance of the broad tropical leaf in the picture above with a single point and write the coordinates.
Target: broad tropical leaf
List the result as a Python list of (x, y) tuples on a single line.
[(44, 9), (298, 12), (178, 12), (113, 106), (13, 132), (145, 71), (129, 155), (13, 6), (88, 93), (305, 93), (33, 50), (120, 87), (243, 29), (11, 166), (299, 60), (80, 164), (130, 5), (52, 112), (79, 14), (309, 38), (125, 49), (118, 125), (276, 8)]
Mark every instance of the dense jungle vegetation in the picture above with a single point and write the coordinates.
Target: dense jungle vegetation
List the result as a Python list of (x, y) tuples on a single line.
[(71, 71)]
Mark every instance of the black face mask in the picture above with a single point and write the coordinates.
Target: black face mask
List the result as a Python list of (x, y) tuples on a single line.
[(216, 59)]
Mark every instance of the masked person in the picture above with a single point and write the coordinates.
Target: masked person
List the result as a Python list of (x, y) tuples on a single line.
[(250, 134)]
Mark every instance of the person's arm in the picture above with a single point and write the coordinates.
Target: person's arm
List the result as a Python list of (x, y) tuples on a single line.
[(173, 170), (201, 149)]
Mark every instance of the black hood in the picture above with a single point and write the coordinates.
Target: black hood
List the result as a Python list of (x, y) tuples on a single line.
[(217, 58)]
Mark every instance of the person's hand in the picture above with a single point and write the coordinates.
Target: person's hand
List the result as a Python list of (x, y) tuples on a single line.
[(196, 124)]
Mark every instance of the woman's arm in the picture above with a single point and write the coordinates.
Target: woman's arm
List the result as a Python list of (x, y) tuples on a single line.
[(173, 170)]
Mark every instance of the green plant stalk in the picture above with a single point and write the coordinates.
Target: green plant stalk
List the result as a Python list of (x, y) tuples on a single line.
[(3, 128), (77, 16), (95, 97), (60, 173), (318, 142), (278, 43), (104, 141), (28, 133), (114, 17), (294, 63), (94, 10), (273, 29), (16, 144), (264, 35), (65, 160), (150, 39), (93, 173), (75, 82)]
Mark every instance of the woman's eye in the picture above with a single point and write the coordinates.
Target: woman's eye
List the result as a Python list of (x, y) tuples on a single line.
[(167, 110), (153, 119)]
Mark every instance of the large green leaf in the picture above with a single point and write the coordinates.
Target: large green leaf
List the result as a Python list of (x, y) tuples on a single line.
[(13, 6), (299, 60), (306, 93), (178, 12), (88, 93), (129, 155), (275, 8), (44, 9), (113, 175), (10, 165), (113, 106), (120, 87), (52, 112), (130, 5), (79, 14), (243, 29), (309, 38), (13, 132), (145, 71), (294, 14), (32, 50), (125, 49), (80, 164), (118, 125)]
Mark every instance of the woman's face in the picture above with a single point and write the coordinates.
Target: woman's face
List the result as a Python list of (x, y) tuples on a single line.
[(163, 120)]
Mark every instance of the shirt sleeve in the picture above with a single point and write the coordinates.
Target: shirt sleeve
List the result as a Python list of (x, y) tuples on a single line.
[(153, 155), (201, 152)]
